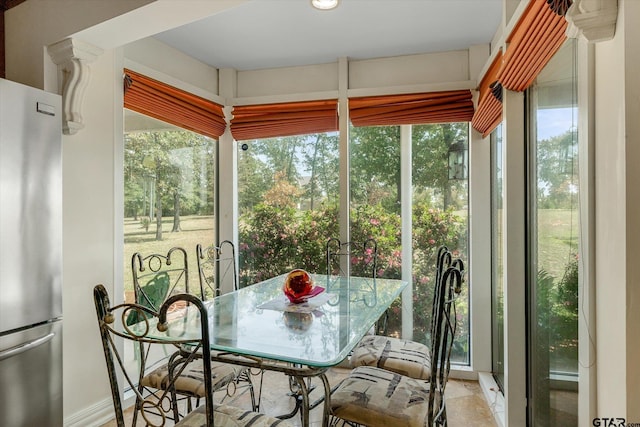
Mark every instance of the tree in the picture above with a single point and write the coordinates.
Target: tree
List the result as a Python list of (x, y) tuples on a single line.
[(281, 155), (557, 171), (283, 194), (308, 162), (375, 165), (375, 162), (253, 179), (321, 156), (430, 152), (168, 160)]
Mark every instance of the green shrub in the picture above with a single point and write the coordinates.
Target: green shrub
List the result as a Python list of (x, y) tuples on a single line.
[(275, 240)]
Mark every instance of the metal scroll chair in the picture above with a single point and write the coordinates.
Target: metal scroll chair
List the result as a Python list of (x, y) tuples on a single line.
[(406, 357), (216, 264), (345, 259), (191, 354), (352, 258), (156, 277), (377, 397)]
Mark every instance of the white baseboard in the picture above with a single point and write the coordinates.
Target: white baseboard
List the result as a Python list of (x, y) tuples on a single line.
[(92, 416), (495, 398)]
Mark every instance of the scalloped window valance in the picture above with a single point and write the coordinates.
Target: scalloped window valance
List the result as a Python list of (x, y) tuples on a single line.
[(284, 119), (420, 108), (534, 40), (489, 112), (172, 105)]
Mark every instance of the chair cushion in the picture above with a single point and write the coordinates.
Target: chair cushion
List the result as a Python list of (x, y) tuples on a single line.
[(409, 358), (191, 381), (377, 397), (230, 416)]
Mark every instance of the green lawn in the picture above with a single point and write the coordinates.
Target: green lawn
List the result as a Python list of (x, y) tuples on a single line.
[(557, 240)]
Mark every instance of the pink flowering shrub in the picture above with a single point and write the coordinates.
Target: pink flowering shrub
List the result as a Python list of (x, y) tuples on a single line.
[(275, 240)]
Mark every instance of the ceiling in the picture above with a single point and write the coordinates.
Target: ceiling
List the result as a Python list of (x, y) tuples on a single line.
[(262, 34)]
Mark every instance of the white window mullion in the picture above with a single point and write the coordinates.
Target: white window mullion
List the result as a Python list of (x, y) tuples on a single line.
[(344, 174), (514, 233), (406, 212), (479, 265), (587, 403), (227, 178)]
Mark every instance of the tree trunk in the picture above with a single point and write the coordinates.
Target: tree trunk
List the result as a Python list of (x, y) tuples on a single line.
[(312, 182), (176, 212), (447, 196), (158, 219)]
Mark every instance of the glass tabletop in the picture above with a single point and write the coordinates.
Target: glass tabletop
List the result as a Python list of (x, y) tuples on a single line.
[(258, 320)]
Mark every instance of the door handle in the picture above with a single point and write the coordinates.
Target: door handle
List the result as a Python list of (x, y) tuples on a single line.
[(13, 351)]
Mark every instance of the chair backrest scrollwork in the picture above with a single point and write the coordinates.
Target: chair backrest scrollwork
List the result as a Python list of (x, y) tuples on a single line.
[(153, 330), (156, 277), (216, 264), (346, 259)]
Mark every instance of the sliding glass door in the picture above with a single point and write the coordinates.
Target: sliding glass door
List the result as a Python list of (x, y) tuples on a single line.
[(553, 237), (497, 252)]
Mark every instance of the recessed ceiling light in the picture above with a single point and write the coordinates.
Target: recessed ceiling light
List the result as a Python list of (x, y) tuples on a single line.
[(325, 4)]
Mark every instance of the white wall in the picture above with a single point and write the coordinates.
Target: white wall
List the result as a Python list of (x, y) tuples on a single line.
[(89, 205), (617, 212), (38, 23), (631, 15), (161, 62)]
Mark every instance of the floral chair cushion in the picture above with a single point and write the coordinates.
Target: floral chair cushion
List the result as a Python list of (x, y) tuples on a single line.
[(409, 358), (230, 416), (191, 380), (376, 397)]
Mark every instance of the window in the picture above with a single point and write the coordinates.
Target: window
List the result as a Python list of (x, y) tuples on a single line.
[(169, 195), (169, 191), (288, 197), (289, 200), (497, 253), (439, 213), (440, 216), (553, 235)]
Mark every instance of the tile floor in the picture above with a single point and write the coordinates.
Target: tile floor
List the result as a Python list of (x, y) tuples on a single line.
[(466, 405)]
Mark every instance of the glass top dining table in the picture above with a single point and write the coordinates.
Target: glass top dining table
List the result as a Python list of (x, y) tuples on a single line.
[(258, 327), (259, 321)]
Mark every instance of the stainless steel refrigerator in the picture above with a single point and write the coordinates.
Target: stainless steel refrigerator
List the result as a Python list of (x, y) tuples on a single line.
[(30, 257)]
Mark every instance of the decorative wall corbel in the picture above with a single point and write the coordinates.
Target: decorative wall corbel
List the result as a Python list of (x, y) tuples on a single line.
[(594, 19), (72, 58)]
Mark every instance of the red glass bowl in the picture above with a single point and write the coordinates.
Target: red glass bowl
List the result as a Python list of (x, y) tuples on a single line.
[(298, 286)]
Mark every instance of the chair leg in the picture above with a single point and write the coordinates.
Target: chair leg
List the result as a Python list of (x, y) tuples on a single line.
[(246, 376), (381, 324), (256, 405)]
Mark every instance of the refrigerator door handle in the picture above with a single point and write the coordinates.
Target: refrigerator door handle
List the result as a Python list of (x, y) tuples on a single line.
[(13, 351)]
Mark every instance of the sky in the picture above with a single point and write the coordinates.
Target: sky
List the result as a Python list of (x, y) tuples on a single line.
[(555, 121)]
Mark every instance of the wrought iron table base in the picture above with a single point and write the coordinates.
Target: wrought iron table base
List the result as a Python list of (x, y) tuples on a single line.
[(299, 373)]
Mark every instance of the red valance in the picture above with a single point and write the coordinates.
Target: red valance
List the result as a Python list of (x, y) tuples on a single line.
[(534, 40), (172, 105), (284, 119), (489, 112), (421, 108)]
